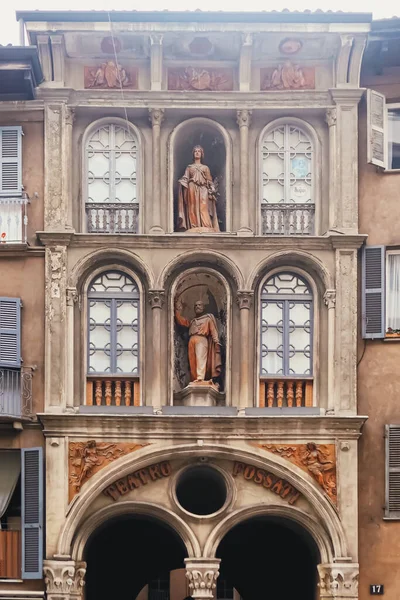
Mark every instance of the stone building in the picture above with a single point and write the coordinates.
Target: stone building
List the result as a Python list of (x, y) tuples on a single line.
[(181, 244)]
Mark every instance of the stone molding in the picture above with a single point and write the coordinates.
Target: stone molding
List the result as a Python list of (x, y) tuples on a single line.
[(64, 578), (338, 580), (202, 574)]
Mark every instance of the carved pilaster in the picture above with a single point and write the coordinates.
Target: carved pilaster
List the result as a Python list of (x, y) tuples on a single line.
[(330, 298), (57, 46), (156, 117), (202, 575), (245, 62), (156, 298), (339, 580), (244, 120), (64, 580), (156, 60), (244, 299)]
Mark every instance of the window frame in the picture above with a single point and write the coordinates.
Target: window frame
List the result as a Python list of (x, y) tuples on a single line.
[(395, 251), (140, 181), (317, 168), (388, 107), (17, 192)]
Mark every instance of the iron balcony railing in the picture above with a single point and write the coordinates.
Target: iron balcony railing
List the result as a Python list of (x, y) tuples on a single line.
[(112, 218), (13, 220), (16, 393), (287, 219)]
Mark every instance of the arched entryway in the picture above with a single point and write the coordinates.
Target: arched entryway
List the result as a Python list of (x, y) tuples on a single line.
[(128, 552), (271, 557)]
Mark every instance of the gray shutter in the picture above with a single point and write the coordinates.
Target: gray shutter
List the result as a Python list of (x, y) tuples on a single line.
[(376, 124), (10, 161), (392, 471), (32, 513), (10, 332), (373, 292)]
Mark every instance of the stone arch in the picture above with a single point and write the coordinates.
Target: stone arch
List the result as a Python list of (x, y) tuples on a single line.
[(205, 258), (326, 513), (174, 139), (139, 508), (316, 531)]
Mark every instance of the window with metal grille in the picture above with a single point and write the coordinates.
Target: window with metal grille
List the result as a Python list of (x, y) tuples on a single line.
[(112, 204), (113, 317), (287, 195), (392, 472), (286, 326)]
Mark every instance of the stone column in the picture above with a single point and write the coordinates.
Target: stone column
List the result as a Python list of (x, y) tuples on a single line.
[(64, 579), (57, 49), (245, 63), (156, 299), (244, 300), (43, 44), (156, 61), (330, 118), (72, 298), (330, 301), (156, 116), (69, 117), (338, 580), (244, 120), (202, 574)]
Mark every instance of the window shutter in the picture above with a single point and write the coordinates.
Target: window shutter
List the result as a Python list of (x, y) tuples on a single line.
[(392, 471), (10, 332), (376, 123), (11, 161), (32, 513), (373, 292)]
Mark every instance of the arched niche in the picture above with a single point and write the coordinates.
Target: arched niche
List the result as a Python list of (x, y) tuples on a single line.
[(193, 285), (216, 143)]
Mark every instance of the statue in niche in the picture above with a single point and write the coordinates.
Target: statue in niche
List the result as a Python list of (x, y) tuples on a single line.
[(197, 197), (204, 348)]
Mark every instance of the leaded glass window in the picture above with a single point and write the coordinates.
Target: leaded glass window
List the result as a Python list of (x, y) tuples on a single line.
[(113, 344), (286, 326), (111, 180)]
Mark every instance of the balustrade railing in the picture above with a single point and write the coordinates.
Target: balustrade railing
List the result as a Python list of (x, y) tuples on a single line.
[(288, 393), (13, 220), (10, 554), (16, 392), (287, 219), (112, 218), (112, 391)]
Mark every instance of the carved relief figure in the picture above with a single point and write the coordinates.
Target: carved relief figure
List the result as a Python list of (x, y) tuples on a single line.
[(197, 197), (110, 75), (288, 76), (204, 348), (199, 79)]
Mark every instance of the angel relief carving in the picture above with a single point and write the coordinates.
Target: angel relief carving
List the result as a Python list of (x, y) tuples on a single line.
[(86, 458), (200, 79)]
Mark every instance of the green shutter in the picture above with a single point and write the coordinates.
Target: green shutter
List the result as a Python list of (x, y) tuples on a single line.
[(373, 292), (10, 161), (32, 513), (10, 332), (392, 472)]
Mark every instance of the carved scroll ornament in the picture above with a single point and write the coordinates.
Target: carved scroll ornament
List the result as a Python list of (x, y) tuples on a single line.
[(317, 460), (87, 458)]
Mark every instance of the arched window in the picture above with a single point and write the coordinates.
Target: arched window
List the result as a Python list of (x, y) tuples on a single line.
[(113, 339), (287, 195), (286, 335), (112, 204)]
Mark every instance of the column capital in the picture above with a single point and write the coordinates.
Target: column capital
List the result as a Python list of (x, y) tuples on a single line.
[(156, 39), (247, 39), (244, 298), (156, 116), (243, 117), (72, 296), (202, 574), (156, 298), (338, 580), (331, 116), (63, 578), (330, 298)]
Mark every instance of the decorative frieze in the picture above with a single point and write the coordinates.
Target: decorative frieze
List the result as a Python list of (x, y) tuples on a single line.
[(110, 75), (199, 79), (287, 76)]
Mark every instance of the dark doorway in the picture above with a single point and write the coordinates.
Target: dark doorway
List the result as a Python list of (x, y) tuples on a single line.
[(271, 558), (126, 553)]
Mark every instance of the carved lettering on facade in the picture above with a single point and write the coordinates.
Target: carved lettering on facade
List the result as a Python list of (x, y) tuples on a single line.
[(139, 478), (317, 460), (269, 481), (87, 458)]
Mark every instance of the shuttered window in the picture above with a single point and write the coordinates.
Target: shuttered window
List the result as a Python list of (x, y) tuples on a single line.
[(10, 161), (32, 513), (376, 123), (10, 332), (373, 292), (392, 472)]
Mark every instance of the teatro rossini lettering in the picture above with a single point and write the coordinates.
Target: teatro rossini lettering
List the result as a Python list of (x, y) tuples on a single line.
[(269, 481)]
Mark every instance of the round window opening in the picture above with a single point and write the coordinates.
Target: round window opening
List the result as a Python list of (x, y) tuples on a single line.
[(201, 490)]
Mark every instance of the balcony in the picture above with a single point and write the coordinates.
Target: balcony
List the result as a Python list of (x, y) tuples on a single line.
[(13, 220), (112, 391), (287, 219), (286, 393), (16, 393), (112, 218), (10, 554)]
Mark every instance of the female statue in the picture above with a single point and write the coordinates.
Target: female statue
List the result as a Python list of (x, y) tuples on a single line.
[(197, 197)]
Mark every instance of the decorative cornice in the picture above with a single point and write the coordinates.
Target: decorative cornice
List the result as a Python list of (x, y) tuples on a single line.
[(20, 250), (55, 238), (343, 95)]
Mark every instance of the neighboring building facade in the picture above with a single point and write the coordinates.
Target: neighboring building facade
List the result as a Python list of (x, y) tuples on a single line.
[(189, 297)]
